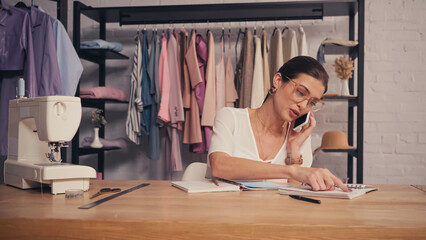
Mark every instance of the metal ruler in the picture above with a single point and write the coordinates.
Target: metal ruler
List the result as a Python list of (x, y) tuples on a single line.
[(93, 204)]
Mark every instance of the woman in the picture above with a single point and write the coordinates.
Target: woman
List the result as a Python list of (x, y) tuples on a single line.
[(266, 134)]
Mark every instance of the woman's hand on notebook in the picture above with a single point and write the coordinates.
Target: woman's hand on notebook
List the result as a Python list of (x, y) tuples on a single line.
[(320, 179)]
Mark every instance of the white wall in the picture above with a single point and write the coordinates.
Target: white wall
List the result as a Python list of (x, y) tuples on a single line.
[(395, 133)]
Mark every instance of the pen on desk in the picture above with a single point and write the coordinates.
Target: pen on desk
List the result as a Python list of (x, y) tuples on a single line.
[(305, 199)]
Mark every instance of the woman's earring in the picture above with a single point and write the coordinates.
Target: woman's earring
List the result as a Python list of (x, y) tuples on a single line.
[(272, 91)]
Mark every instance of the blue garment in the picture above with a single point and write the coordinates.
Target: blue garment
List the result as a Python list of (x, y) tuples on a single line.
[(320, 54), (101, 44), (16, 60), (70, 67), (154, 136), (146, 88)]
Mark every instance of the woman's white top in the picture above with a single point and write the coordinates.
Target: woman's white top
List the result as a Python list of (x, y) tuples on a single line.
[(233, 134)]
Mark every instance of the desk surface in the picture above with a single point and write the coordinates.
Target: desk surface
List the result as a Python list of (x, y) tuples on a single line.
[(161, 211)]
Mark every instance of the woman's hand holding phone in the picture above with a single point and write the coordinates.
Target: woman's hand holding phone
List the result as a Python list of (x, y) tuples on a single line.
[(296, 139)]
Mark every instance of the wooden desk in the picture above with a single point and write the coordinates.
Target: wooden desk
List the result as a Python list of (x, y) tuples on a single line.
[(160, 211)]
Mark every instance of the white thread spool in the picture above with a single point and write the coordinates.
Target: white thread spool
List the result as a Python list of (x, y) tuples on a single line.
[(21, 88)]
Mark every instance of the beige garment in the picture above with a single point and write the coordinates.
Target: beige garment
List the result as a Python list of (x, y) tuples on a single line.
[(257, 86), (192, 130), (186, 87), (220, 80), (266, 74), (290, 49), (209, 109), (231, 92), (275, 53), (247, 71), (302, 44)]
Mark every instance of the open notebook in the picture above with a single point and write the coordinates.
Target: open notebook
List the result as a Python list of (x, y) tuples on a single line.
[(207, 185), (357, 190)]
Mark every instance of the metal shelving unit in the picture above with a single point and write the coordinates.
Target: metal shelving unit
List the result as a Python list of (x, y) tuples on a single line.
[(300, 10)]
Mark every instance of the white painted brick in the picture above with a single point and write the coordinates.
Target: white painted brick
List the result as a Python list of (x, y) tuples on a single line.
[(422, 138), (409, 138), (381, 148), (410, 148), (388, 26), (378, 15), (419, 179), (372, 138)]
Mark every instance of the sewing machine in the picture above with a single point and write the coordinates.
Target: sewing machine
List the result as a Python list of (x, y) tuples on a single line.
[(38, 128)]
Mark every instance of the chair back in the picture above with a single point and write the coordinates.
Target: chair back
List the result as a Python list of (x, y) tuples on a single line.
[(195, 171)]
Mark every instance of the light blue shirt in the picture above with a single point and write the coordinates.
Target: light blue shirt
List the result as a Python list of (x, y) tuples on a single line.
[(70, 67)]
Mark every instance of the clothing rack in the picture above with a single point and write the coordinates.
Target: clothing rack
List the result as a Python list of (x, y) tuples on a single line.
[(238, 12)]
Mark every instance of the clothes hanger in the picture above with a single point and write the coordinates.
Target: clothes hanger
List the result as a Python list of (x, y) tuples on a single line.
[(285, 28), (21, 5), (223, 33)]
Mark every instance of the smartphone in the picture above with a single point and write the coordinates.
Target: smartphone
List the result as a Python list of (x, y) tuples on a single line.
[(300, 122)]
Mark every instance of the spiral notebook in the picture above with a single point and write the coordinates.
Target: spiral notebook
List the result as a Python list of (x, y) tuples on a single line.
[(357, 190)]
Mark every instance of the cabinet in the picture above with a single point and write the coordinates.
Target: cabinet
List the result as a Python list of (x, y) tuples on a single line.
[(241, 12)]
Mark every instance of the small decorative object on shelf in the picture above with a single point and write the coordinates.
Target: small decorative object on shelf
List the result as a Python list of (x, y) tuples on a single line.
[(97, 120), (344, 67)]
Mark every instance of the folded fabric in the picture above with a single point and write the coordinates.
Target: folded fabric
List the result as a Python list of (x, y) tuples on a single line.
[(101, 44), (104, 92), (320, 52), (348, 43), (119, 142)]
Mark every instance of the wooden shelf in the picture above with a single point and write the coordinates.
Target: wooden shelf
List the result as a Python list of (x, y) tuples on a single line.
[(97, 55), (352, 152), (332, 49), (88, 150), (97, 102)]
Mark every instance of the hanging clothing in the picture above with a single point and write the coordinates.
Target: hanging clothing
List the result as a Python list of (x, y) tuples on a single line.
[(257, 91), (192, 130), (133, 122), (275, 53), (174, 158), (239, 68), (46, 60), (186, 86), (265, 58), (290, 49), (154, 135), (209, 110), (302, 44), (37, 59), (200, 90), (145, 87), (220, 79), (247, 71), (175, 102), (70, 67), (164, 81), (231, 93)]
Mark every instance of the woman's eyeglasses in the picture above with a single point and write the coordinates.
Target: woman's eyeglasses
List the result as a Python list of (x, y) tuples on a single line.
[(301, 93)]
